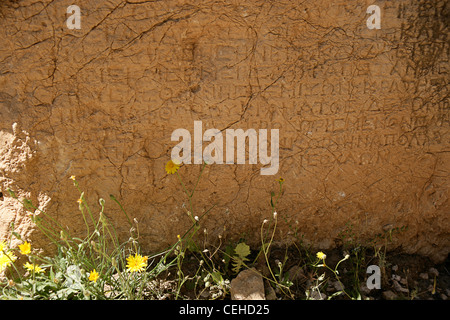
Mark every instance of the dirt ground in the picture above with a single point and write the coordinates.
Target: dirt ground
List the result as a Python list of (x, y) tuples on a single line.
[(403, 277)]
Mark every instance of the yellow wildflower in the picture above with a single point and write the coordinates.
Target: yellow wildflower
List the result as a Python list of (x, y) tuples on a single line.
[(172, 166), (6, 259), (2, 246), (72, 178), (32, 267), (137, 263), (93, 276), (321, 255), (25, 248), (80, 201)]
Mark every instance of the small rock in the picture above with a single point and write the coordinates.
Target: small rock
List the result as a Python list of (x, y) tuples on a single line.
[(248, 285), (363, 289), (433, 272), (264, 270), (338, 286), (295, 273), (395, 268), (389, 295), (398, 287), (316, 295), (270, 292), (396, 277), (423, 276), (443, 296)]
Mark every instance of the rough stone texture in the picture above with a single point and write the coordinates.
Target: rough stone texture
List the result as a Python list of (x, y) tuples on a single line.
[(363, 115), (248, 285)]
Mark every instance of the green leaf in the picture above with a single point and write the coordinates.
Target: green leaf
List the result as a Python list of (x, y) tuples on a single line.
[(217, 277), (241, 252), (73, 277), (227, 255)]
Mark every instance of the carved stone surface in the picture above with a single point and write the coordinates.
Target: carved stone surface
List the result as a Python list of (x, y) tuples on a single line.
[(363, 116)]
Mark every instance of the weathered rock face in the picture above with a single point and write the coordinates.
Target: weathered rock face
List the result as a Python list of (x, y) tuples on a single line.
[(363, 115)]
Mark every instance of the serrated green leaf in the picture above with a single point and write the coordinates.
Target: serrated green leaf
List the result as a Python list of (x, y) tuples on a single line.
[(241, 252)]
